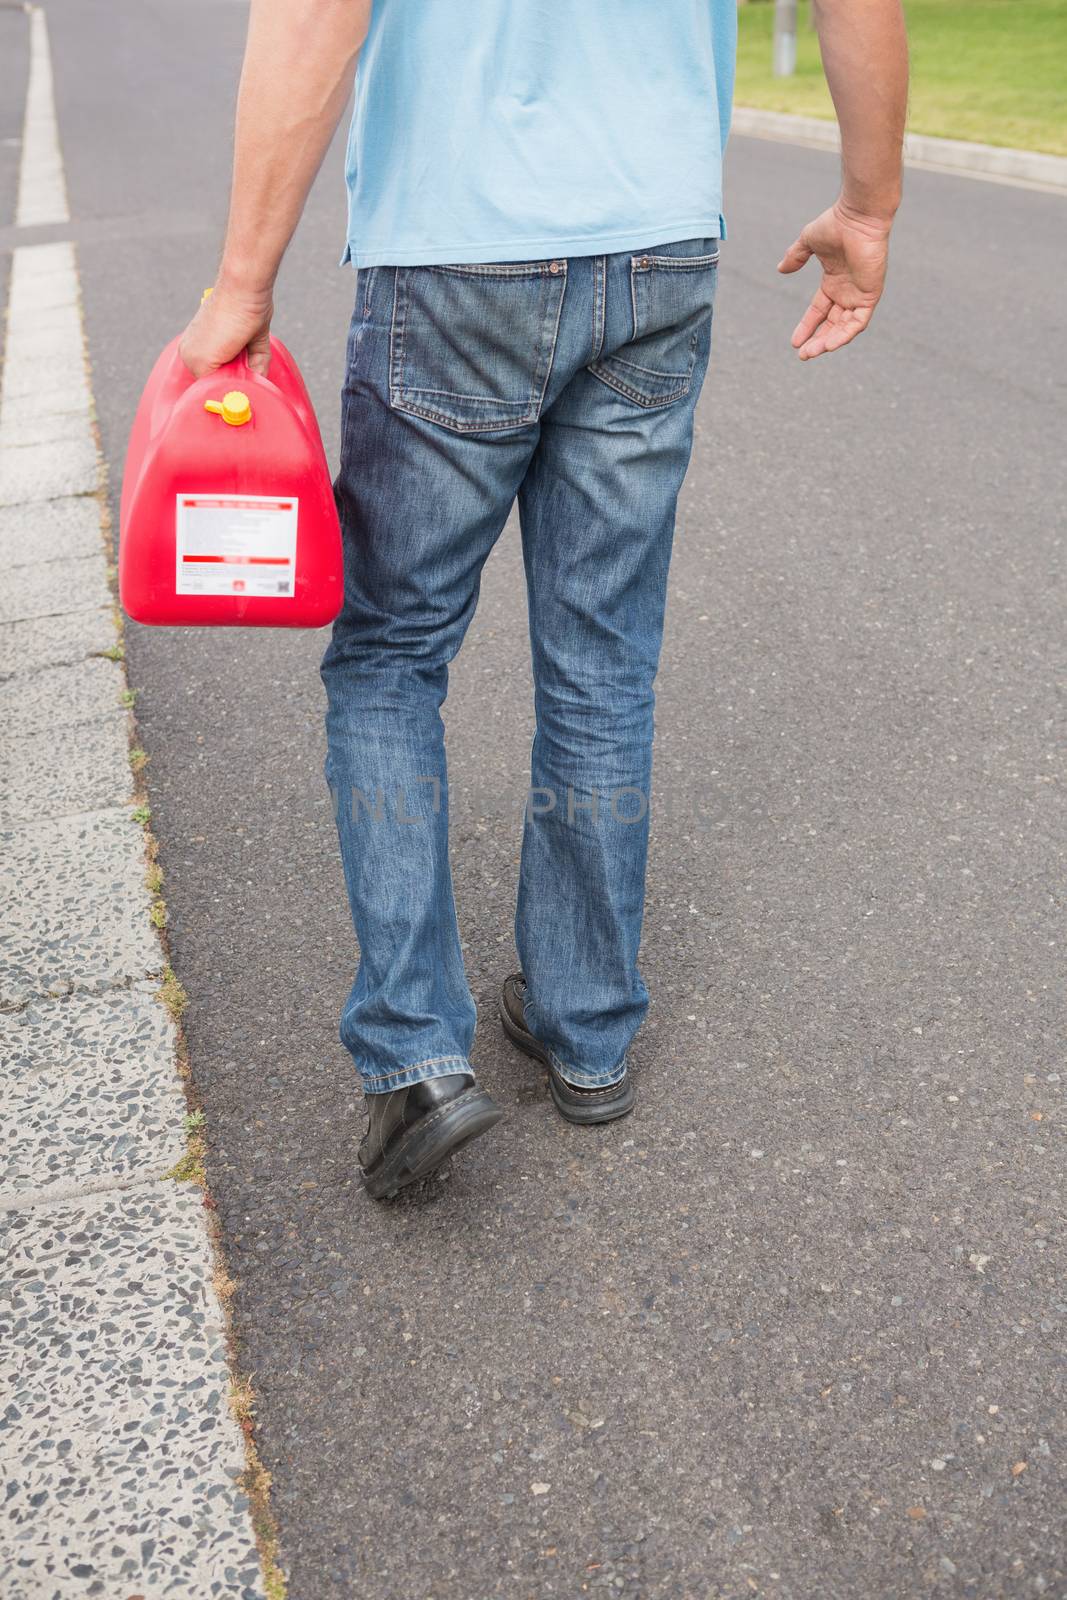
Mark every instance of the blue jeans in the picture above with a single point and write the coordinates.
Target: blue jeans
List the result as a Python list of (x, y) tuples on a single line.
[(571, 385)]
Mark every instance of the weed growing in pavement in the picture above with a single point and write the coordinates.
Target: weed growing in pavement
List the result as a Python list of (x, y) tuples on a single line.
[(172, 994), (138, 759), (189, 1168), (242, 1400)]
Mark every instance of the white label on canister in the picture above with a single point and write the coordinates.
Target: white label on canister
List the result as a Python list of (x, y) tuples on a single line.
[(236, 544)]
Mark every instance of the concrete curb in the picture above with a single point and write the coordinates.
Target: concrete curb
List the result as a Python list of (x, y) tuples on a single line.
[(995, 163), (125, 1465)]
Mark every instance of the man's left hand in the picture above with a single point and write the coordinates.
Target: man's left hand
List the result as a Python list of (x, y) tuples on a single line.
[(854, 253)]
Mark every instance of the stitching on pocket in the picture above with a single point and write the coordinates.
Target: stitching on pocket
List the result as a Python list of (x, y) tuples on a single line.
[(647, 372), (645, 262), (409, 408), (504, 269), (475, 399), (650, 404)]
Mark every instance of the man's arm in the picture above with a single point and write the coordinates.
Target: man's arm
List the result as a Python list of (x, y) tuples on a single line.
[(865, 55), (297, 73)]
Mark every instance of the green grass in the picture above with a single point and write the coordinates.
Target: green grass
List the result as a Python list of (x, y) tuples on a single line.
[(991, 70)]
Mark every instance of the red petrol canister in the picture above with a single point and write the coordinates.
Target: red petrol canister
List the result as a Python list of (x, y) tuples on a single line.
[(228, 516)]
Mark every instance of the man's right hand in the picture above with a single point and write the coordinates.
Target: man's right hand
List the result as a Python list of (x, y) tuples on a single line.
[(228, 322), (299, 59)]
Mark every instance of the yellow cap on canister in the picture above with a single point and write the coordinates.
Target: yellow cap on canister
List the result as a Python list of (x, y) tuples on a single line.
[(233, 408)]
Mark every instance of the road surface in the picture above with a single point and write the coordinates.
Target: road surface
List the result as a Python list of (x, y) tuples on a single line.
[(796, 1328)]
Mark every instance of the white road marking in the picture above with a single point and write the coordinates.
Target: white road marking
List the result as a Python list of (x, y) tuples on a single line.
[(42, 194), (47, 447)]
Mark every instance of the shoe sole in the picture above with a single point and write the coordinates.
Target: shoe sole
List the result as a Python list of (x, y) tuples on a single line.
[(583, 1116), (431, 1141)]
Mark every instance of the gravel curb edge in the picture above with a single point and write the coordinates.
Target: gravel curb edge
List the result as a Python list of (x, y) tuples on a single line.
[(124, 1433)]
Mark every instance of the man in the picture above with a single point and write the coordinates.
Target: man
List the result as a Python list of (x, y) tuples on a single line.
[(535, 215)]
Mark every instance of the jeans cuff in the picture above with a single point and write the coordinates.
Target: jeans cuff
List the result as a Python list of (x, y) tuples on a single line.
[(588, 1080), (419, 1072)]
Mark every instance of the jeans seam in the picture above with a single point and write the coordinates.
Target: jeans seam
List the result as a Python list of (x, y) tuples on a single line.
[(550, 352), (396, 335), (600, 273), (388, 1079)]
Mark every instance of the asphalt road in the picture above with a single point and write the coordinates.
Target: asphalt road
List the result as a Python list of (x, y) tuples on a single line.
[(796, 1328)]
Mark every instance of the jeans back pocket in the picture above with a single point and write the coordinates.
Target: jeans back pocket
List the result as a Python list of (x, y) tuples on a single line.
[(472, 346), (672, 297)]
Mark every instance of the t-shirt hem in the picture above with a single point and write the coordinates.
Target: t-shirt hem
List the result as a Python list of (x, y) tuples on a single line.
[(535, 249)]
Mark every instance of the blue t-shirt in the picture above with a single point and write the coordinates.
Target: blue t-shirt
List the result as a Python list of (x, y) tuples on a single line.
[(505, 130)]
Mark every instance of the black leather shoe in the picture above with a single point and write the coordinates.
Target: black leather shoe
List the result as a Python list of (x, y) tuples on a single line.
[(411, 1131), (577, 1105)]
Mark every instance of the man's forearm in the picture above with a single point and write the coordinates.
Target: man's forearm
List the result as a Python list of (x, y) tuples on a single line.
[(295, 81), (865, 57)]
